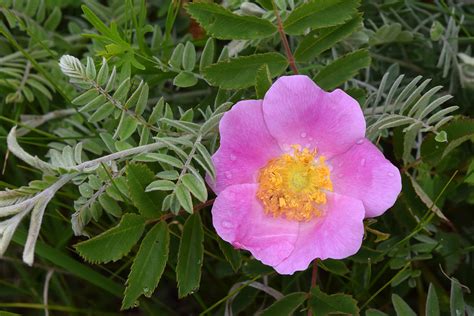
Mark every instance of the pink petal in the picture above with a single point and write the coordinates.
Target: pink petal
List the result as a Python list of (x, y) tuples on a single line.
[(363, 173), (239, 219), (245, 146), (297, 111), (337, 234)]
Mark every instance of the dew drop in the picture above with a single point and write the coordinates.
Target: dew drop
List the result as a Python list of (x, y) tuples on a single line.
[(227, 224), (228, 175), (390, 174), (286, 147), (360, 141), (310, 139), (232, 157), (362, 162), (303, 135), (340, 175)]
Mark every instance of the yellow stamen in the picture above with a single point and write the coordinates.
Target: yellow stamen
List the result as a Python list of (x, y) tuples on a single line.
[(294, 186)]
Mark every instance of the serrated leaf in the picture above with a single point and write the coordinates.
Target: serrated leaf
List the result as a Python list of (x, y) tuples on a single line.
[(184, 197), (318, 14), (240, 72), (342, 69), (223, 24), (138, 177), (323, 304), (432, 303), (148, 265), (286, 305), (263, 81), (160, 185), (196, 186), (185, 79), (401, 307), (114, 243), (190, 256), (319, 41)]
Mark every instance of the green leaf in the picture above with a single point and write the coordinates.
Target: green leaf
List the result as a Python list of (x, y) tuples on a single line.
[(374, 312), (323, 304), (286, 305), (53, 20), (318, 14), (189, 56), (263, 81), (432, 303), (177, 56), (319, 41), (62, 259), (223, 24), (390, 33), (102, 112), (401, 307), (342, 69), (185, 79), (114, 243), (160, 185), (167, 159), (190, 256), (456, 299), (334, 266), (232, 255), (240, 72), (110, 205), (441, 137), (196, 186), (184, 198), (207, 55), (148, 265), (127, 126), (139, 177)]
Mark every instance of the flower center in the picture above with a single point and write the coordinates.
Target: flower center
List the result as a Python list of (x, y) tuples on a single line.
[(294, 186)]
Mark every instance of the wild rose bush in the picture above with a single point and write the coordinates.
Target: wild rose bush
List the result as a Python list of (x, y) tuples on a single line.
[(253, 158)]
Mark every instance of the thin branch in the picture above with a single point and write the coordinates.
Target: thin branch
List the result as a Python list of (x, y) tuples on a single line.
[(284, 40)]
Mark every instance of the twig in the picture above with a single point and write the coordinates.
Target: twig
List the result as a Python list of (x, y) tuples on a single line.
[(284, 40), (314, 277), (45, 291)]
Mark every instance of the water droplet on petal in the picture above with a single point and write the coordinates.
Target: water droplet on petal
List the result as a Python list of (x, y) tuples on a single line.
[(362, 162), (286, 147), (228, 175), (227, 224), (310, 139), (390, 174), (232, 157), (303, 135), (340, 175), (360, 141)]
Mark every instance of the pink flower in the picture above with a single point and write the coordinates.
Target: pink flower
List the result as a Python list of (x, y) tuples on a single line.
[(296, 176)]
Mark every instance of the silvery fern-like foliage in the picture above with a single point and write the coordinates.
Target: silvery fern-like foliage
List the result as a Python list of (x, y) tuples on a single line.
[(410, 106)]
